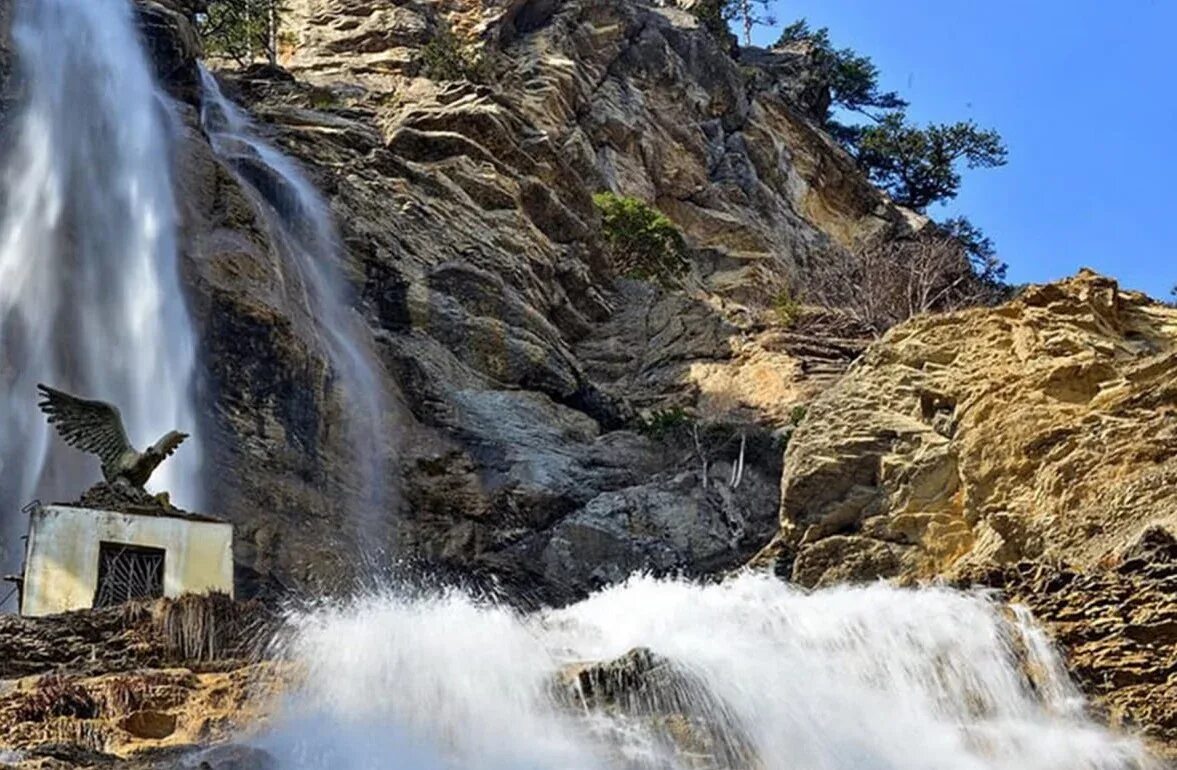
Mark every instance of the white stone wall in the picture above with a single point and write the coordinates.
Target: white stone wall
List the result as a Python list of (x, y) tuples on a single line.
[(61, 567)]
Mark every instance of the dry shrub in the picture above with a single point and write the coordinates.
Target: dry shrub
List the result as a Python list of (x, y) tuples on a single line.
[(889, 282), (56, 696), (198, 627), (201, 628)]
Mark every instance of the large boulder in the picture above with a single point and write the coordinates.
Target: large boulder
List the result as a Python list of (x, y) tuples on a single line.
[(1044, 428)]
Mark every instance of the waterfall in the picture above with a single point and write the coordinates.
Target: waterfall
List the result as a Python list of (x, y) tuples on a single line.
[(849, 678), (90, 297), (303, 231)]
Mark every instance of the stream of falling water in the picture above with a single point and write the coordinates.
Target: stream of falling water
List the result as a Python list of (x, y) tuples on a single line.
[(302, 227), (90, 297), (867, 678)]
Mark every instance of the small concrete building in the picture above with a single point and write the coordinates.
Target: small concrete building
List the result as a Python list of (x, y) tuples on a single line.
[(79, 558)]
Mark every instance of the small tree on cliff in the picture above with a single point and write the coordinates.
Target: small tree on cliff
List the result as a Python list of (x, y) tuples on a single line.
[(853, 78), (242, 30), (918, 166), (719, 15), (979, 250)]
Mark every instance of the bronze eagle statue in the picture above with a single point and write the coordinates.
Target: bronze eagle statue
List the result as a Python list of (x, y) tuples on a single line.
[(97, 427)]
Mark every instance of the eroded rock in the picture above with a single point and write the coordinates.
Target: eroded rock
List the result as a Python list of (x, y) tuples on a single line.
[(1044, 428), (676, 708), (1117, 624)]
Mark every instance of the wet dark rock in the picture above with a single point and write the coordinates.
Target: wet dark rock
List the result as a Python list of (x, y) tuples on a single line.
[(172, 44), (674, 705)]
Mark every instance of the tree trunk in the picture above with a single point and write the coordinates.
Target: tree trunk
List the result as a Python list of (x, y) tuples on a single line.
[(273, 32)]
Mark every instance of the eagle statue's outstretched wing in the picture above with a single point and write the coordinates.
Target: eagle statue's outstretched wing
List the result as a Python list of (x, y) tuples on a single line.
[(92, 426), (168, 444)]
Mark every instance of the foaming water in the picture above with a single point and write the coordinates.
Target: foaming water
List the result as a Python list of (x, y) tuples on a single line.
[(90, 297), (303, 231), (871, 678)]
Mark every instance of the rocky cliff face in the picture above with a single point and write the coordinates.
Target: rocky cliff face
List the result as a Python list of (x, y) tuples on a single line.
[(521, 365), (536, 392)]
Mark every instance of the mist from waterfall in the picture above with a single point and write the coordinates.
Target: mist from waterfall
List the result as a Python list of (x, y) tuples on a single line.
[(303, 231), (863, 678), (90, 296)]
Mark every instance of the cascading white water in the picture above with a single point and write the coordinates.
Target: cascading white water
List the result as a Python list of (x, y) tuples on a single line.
[(90, 297), (868, 678), (301, 225)]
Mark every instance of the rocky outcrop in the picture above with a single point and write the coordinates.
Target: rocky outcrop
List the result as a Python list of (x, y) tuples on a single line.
[(146, 718), (172, 43), (678, 710), (1044, 428), (1030, 447), (142, 685), (214, 631)]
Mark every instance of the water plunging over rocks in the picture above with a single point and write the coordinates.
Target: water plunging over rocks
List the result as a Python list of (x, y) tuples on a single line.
[(300, 227), (90, 294), (751, 673)]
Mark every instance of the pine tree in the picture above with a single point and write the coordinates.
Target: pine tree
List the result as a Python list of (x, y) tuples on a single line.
[(242, 30)]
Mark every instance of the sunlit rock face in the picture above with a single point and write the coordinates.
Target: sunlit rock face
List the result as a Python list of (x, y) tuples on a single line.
[(1043, 428), (1032, 447)]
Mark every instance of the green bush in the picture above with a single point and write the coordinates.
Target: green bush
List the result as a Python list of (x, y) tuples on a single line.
[(664, 424), (786, 308), (643, 243), (445, 57), (242, 30)]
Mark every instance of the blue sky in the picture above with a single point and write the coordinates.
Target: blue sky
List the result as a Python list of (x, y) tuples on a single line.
[(1083, 93)]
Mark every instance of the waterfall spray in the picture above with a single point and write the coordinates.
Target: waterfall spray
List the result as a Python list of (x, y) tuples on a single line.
[(303, 232), (90, 297), (867, 678)]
